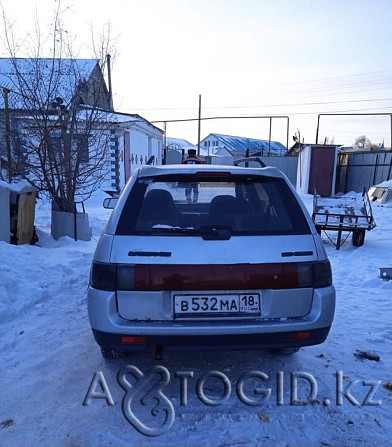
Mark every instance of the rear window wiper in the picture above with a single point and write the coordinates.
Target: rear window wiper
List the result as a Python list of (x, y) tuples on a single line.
[(169, 229), (207, 232), (216, 232)]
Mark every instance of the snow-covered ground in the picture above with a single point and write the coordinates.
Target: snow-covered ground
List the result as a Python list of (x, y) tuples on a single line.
[(49, 358)]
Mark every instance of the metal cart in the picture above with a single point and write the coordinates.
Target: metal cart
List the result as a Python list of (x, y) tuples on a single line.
[(343, 214)]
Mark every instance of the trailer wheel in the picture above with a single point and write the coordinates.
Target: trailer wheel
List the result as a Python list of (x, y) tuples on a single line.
[(358, 237)]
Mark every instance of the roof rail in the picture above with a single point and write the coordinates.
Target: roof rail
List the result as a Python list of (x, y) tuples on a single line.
[(246, 160)]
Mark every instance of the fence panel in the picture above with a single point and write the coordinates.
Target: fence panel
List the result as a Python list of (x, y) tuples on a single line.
[(357, 171), (288, 165)]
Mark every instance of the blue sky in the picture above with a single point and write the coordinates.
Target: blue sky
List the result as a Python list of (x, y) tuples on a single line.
[(245, 57)]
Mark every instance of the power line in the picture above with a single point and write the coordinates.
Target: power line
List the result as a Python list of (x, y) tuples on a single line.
[(302, 104), (331, 78), (266, 105)]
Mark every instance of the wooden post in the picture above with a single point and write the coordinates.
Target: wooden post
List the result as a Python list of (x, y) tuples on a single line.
[(26, 213)]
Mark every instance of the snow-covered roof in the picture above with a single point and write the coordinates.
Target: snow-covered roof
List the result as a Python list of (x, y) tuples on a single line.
[(346, 148), (241, 144), (121, 118), (18, 186), (179, 143), (37, 75), (215, 151)]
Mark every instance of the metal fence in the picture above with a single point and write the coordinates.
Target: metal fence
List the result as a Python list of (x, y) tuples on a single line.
[(357, 171), (288, 165)]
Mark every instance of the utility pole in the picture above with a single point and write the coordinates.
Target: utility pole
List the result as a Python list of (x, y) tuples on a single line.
[(198, 128), (269, 136), (164, 144), (7, 133)]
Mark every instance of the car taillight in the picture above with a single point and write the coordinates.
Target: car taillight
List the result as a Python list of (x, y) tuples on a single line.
[(109, 276), (322, 274), (314, 274), (125, 277), (103, 276)]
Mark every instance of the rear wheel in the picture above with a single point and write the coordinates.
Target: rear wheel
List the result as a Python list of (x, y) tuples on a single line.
[(111, 354), (358, 237)]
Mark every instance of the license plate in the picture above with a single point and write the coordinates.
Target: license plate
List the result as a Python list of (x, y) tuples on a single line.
[(233, 304)]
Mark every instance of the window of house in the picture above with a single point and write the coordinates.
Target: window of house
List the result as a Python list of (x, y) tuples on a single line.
[(80, 145), (55, 147)]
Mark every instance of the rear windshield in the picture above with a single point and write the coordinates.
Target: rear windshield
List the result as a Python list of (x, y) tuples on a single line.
[(189, 205)]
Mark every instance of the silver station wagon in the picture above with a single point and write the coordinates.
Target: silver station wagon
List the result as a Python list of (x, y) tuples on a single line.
[(209, 257)]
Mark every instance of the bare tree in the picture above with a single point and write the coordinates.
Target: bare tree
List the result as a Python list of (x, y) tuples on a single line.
[(363, 143), (60, 111)]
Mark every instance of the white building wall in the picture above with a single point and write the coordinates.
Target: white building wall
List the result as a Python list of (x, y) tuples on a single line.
[(209, 144), (144, 141), (303, 169)]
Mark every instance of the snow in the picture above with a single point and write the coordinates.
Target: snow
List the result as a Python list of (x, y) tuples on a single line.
[(20, 186), (49, 358), (386, 184)]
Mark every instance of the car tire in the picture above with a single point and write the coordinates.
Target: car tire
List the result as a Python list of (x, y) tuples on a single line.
[(111, 354)]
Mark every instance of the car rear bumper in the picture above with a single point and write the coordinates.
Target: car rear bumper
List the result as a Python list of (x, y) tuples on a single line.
[(109, 328), (211, 342)]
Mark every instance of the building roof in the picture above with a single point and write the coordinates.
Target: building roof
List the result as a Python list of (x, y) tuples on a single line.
[(122, 118), (241, 144), (37, 75), (179, 143)]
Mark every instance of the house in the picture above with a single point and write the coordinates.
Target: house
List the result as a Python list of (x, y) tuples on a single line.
[(60, 83), (48, 99), (237, 147), (134, 141), (46, 94)]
